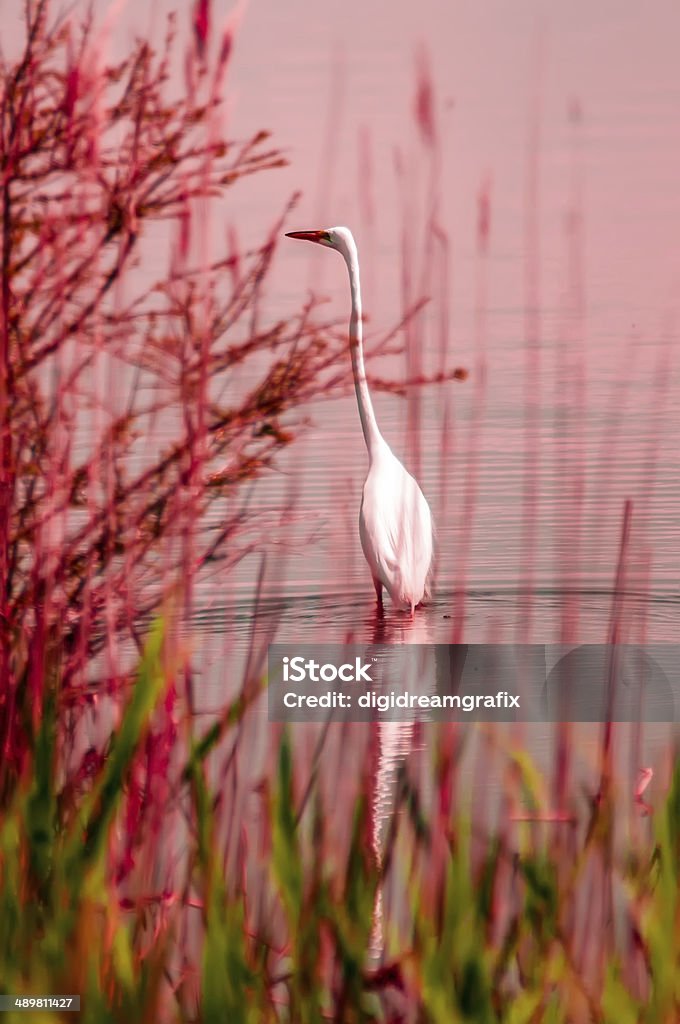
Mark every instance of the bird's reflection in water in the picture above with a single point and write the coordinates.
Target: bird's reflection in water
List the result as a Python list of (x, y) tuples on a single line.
[(398, 628), (394, 744), (426, 668), (395, 739)]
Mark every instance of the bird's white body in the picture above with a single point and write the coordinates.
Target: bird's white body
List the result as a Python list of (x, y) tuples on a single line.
[(395, 525)]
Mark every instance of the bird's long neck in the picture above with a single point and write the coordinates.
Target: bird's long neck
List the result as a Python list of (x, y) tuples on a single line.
[(369, 425)]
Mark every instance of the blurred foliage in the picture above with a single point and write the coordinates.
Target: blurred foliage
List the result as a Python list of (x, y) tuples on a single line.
[(116, 440), (499, 943)]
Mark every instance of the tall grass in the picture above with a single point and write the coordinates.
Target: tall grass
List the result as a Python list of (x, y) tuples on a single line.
[(497, 930)]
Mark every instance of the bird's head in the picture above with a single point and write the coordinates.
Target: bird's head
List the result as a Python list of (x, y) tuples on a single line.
[(335, 238)]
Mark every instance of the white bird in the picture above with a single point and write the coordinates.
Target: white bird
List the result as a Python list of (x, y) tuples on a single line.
[(395, 524)]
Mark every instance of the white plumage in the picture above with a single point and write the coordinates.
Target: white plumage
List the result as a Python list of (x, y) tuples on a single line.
[(395, 524)]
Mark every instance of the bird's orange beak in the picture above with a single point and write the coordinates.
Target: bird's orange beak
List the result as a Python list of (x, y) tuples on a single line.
[(307, 236)]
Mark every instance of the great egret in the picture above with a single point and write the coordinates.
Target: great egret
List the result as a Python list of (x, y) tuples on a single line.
[(395, 525)]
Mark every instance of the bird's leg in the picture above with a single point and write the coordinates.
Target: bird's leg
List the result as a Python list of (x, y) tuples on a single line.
[(378, 593)]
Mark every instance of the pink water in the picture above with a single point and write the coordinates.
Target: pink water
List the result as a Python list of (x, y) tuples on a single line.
[(568, 116)]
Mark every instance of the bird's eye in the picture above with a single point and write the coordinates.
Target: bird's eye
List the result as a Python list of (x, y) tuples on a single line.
[(326, 236)]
